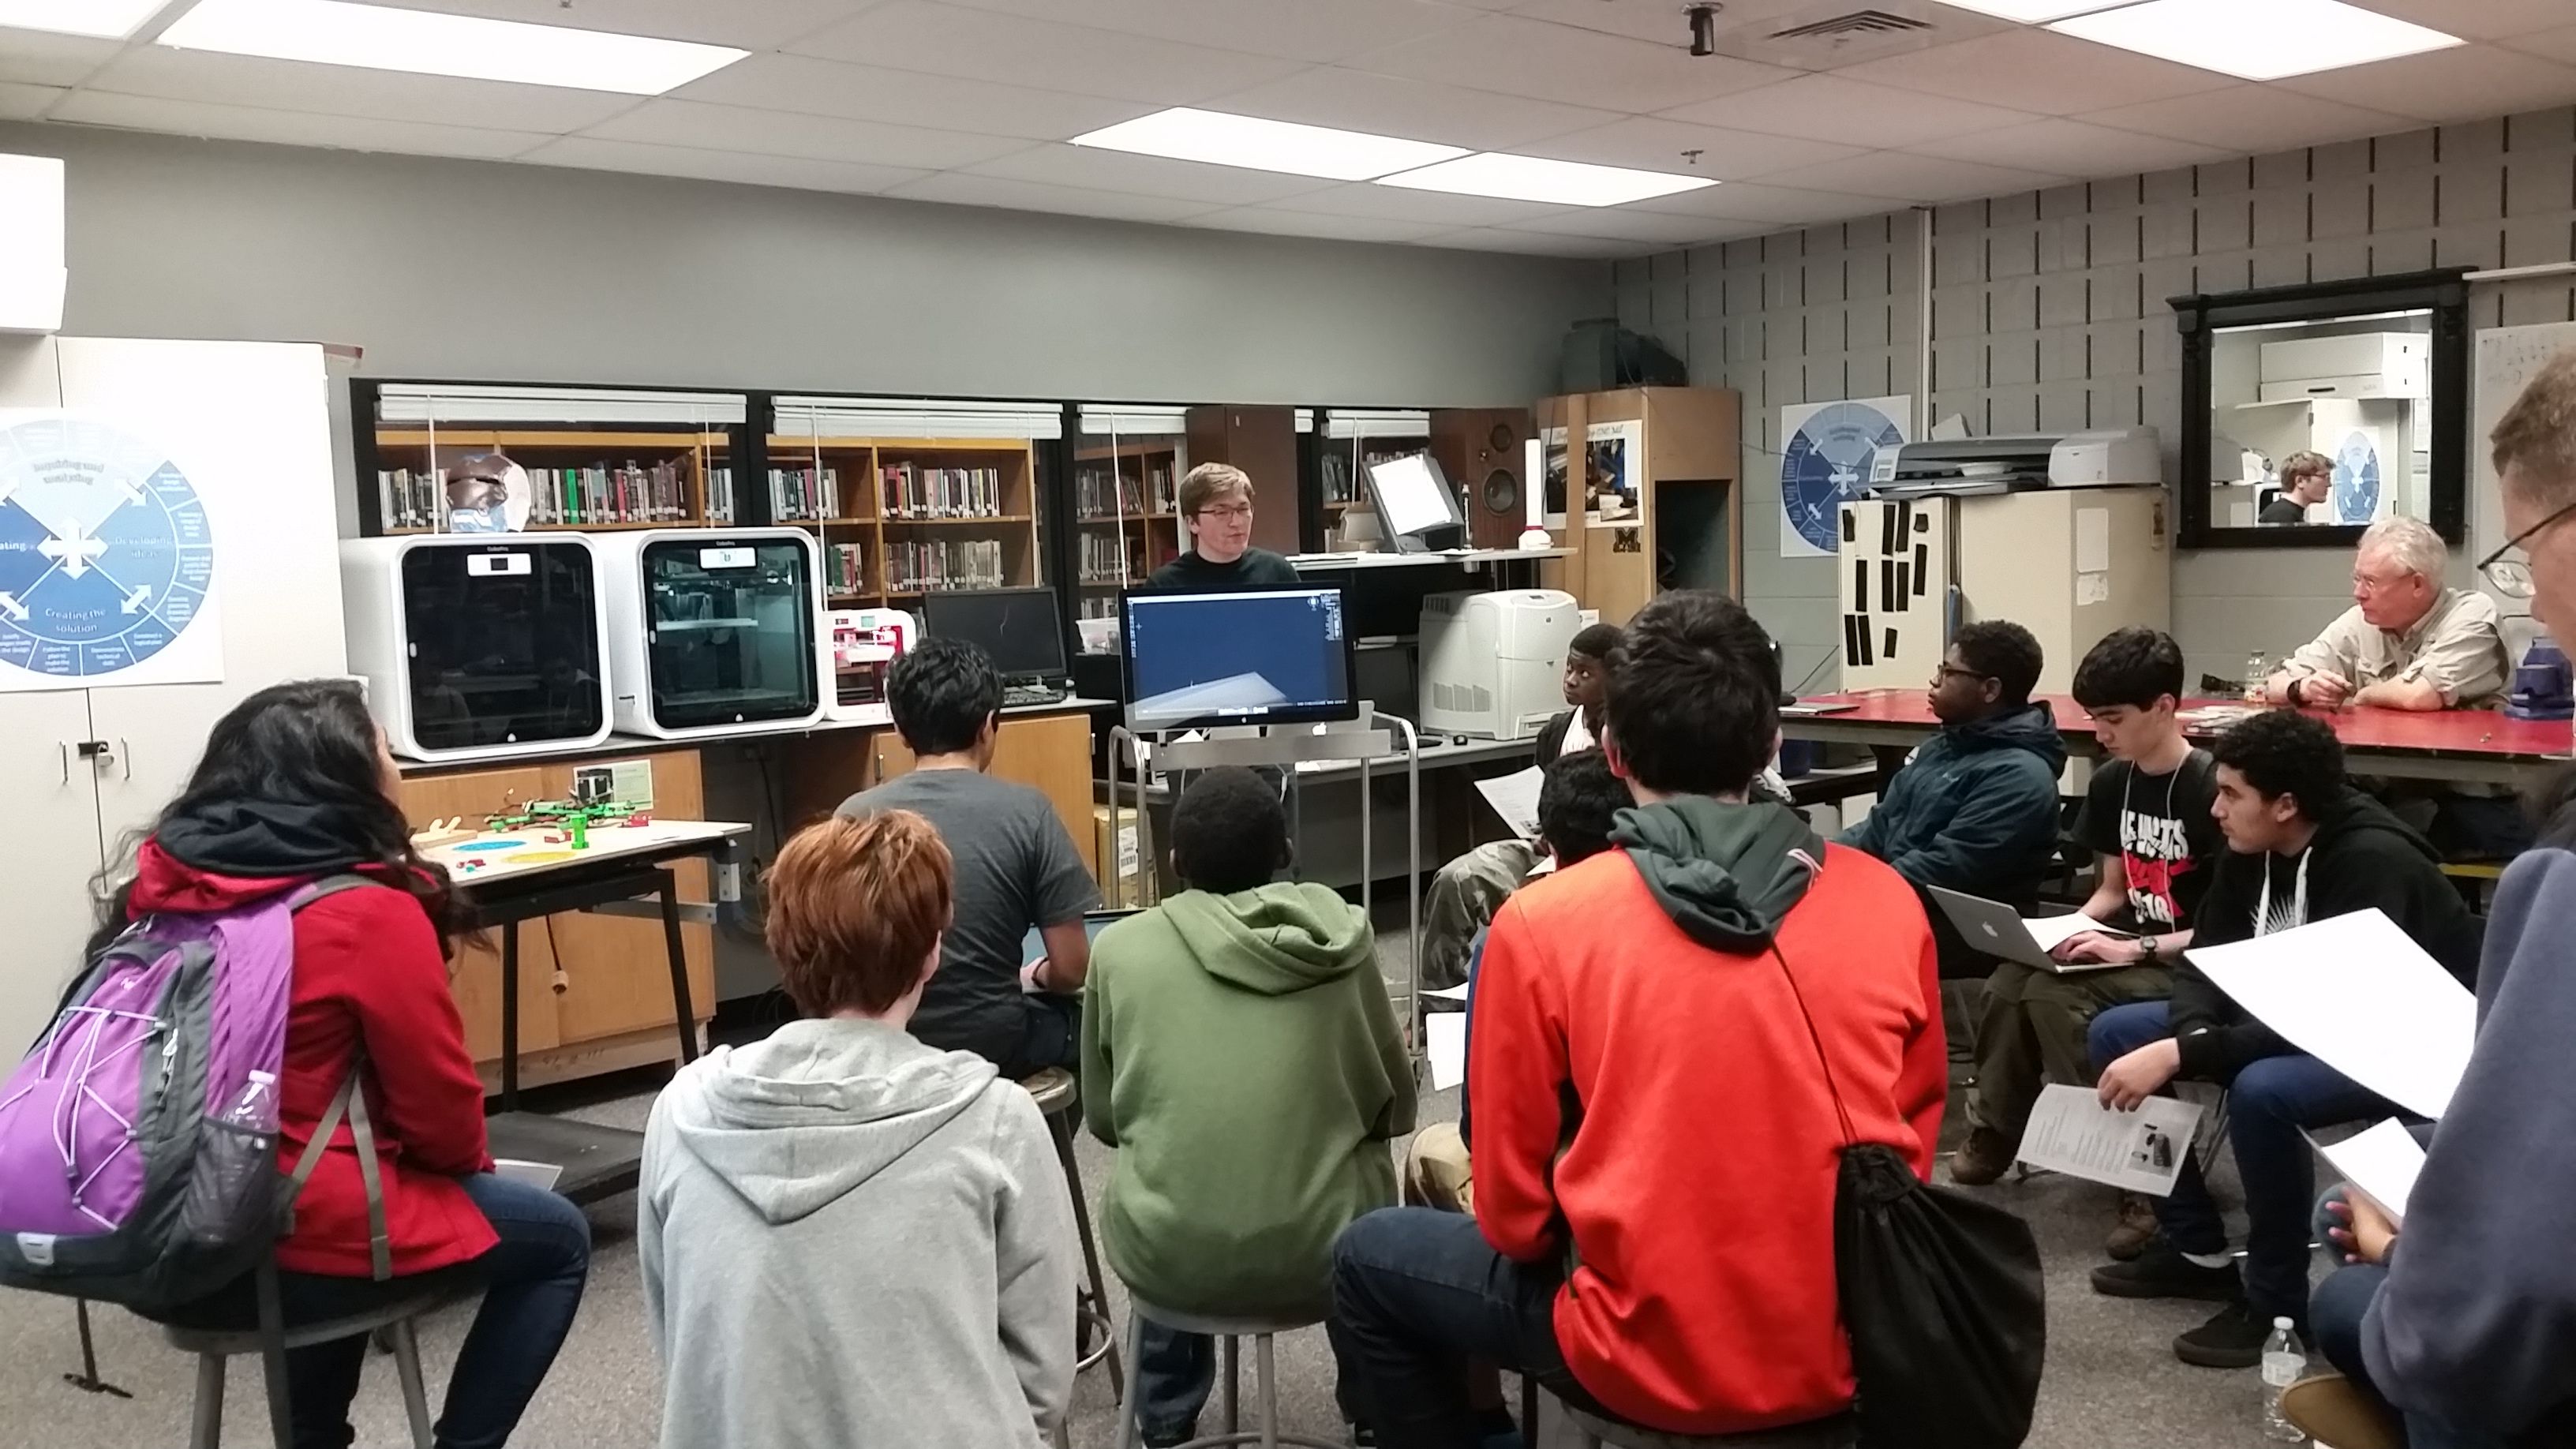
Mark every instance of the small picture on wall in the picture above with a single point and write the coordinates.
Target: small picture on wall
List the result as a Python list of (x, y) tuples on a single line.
[(1613, 493)]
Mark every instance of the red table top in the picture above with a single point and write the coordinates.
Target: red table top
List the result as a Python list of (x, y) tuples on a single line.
[(2477, 732)]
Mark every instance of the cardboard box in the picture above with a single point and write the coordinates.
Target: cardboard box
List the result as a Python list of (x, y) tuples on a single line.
[(1120, 883)]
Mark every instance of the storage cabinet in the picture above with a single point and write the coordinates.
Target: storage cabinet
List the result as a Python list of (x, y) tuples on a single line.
[(1050, 752), (1688, 531)]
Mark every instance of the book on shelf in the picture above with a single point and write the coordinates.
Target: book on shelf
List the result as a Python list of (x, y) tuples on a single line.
[(847, 569), (966, 563), (599, 493), (800, 495), (910, 491), (406, 499), (1101, 496), (719, 494)]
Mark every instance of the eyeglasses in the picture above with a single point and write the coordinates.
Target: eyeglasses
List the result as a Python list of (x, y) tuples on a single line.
[(2511, 577), (1231, 512), (1943, 672)]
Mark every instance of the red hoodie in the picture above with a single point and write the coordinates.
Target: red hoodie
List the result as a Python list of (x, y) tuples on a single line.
[(1698, 1187), (367, 969)]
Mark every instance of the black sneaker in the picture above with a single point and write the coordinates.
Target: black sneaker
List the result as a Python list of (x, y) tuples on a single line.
[(2231, 1339), (2163, 1272)]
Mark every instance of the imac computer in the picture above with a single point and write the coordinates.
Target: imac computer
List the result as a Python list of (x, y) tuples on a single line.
[(1252, 657), (1021, 629), (1416, 507)]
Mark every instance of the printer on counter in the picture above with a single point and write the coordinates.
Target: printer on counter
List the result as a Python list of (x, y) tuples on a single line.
[(2104, 458), (1493, 664)]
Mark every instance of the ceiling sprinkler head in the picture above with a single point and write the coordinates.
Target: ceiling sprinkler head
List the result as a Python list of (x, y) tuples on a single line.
[(1703, 28)]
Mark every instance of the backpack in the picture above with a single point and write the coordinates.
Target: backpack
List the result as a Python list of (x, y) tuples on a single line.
[(119, 1178)]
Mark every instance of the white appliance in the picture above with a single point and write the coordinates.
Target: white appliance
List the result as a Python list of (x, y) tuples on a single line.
[(714, 632), (2104, 458), (1493, 664), (479, 646), (2361, 364), (860, 647)]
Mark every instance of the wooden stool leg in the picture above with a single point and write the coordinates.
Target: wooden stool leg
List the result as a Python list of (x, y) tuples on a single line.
[(415, 1396), (206, 1419), (1269, 1392), (1062, 1126)]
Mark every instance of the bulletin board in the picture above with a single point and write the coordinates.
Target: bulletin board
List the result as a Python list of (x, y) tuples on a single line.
[(1893, 567)]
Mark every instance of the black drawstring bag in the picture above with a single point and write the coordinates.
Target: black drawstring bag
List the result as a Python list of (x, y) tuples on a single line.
[(1940, 1296)]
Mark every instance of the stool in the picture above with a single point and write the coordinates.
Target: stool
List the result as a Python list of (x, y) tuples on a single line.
[(1599, 1431), (213, 1346), (1260, 1331), (1053, 1091)]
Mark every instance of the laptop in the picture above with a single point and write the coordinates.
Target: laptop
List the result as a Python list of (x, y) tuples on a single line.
[(1999, 930), (1033, 946)]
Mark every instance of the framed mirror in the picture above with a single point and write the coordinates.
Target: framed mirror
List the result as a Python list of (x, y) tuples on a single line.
[(2310, 412)]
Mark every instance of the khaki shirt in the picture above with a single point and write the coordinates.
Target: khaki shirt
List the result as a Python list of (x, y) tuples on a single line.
[(2454, 648)]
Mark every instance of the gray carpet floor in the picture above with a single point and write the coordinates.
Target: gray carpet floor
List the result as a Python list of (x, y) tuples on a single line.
[(2111, 1378)]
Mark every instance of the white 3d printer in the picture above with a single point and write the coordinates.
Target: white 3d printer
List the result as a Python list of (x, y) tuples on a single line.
[(1493, 664)]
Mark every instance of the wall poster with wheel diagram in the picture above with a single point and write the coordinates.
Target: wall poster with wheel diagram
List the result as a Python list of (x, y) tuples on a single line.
[(107, 558), (1826, 450)]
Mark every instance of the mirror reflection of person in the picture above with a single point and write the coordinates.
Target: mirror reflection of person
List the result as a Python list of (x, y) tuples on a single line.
[(2306, 479), (2407, 642)]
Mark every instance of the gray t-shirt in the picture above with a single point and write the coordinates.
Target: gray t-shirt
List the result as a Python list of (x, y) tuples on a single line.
[(1015, 869)]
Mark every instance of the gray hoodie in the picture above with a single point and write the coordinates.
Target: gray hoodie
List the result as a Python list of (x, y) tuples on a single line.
[(852, 1240)]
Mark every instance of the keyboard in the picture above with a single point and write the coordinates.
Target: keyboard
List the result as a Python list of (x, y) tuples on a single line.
[(1020, 696)]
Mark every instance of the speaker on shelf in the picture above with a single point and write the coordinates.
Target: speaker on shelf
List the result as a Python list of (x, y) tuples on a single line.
[(1480, 450)]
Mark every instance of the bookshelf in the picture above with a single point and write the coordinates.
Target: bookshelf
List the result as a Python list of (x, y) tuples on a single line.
[(900, 517), (578, 477), (1126, 506)]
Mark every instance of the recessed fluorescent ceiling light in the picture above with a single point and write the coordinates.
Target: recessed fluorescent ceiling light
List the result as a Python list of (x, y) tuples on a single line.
[(2033, 11), (2259, 42), (1185, 134), (112, 18), (379, 37), (1533, 178)]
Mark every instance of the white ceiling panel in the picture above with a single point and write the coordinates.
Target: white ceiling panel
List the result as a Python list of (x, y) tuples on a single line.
[(2072, 148), (1097, 170), (2550, 44), (1312, 30), (962, 188), (1357, 100), (1540, 244), (1922, 178), (819, 138), (2037, 70), (1650, 143), (290, 128), (1661, 21), (1578, 67), (38, 58), (802, 173), (1772, 205), (1271, 221), (1626, 223), (2465, 82), (2252, 118), (338, 90), (19, 102), (1829, 108), (801, 83), (745, 24), (980, 45), (2476, 19), (1400, 203)]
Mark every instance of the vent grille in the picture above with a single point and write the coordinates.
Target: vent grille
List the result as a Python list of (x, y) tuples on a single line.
[(1831, 34), (1857, 24)]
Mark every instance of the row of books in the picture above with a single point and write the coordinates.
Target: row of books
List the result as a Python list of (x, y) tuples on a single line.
[(1107, 559), (405, 499), (720, 494), (966, 563), (600, 494), (845, 571), (798, 494), (912, 491), (1098, 495)]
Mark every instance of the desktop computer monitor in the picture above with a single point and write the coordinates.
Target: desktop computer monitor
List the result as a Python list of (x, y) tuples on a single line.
[(1415, 504), (1253, 657), (1019, 628)]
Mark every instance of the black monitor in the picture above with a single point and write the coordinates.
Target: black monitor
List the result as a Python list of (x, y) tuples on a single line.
[(1248, 657), (1019, 628)]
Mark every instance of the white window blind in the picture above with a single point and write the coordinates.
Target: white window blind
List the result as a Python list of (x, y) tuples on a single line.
[(1377, 423), (407, 402), (851, 417)]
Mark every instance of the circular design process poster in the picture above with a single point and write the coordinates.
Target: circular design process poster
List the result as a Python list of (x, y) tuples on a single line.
[(2356, 479), (1826, 454), (107, 559)]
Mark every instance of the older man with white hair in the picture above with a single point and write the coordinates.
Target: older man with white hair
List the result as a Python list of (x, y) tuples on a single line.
[(2408, 641)]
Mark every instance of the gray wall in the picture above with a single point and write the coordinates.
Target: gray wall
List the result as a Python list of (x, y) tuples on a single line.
[(485, 271), (2048, 313)]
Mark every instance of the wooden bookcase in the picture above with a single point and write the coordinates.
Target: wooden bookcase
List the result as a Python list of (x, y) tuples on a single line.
[(694, 464), (1126, 509), (886, 537)]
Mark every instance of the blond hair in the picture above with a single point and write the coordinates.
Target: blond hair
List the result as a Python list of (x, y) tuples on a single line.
[(2304, 464), (1208, 482), (2536, 437)]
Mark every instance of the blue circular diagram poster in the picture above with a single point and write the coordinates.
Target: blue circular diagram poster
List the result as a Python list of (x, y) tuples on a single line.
[(107, 559), (2356, 479), (1825, 456)]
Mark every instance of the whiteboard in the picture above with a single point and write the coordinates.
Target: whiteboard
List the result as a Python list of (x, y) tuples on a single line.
[(2507, 359)]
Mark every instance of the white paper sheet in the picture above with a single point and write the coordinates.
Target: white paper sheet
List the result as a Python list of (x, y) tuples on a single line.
[(2357, 994), (1515, 798), (2092, 588), (2071, 1131), (1445, 1042), (535, 1174), (2050, 932), (2092, 540), (2380, 1164), (1447, 993)]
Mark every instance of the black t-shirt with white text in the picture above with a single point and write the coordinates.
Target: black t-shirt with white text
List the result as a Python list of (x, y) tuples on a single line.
[(2161, 829)]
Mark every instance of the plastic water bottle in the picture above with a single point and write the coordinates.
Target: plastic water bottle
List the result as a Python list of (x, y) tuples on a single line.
[(2284, 1360), (254, 1111), (2258, 672)]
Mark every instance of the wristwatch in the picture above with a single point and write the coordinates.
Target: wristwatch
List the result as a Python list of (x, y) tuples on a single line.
[(2148, 953), (2293, 693)]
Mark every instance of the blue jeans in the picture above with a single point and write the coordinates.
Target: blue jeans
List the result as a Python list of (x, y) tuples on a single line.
[(1417, 1293), (2267, 1104), (1175, 1372), (2335, 1315)]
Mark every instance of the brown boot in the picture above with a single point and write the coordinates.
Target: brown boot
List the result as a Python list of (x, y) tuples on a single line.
[(2335, 1410), (1983, 1158), (2136, 1228)]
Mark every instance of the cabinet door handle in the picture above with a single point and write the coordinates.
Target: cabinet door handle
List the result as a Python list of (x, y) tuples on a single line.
[(64, 748), (125, 756)]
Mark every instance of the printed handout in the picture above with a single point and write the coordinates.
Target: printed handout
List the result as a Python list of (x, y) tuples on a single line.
[(1515, 798), (2359, 995), (1446, 1045), (2380, 1164), (2071, 1131)]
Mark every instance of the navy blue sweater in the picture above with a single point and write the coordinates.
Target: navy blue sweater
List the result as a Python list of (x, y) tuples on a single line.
[(1975, 810)]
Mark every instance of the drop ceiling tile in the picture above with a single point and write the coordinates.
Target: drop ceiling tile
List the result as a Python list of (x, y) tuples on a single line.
[(1920, 178), (1400, 203), (818, 138), (1417, 110), (1771, 205), (961, 188), (24, 102), (2036, 70), (2072, 148), (2252, 119), (1271, 221), (2477, 19), (1659, 22), (1650, 143), (781, 82), (336, 90), (291, 128), (2549, 44), (1623, 223), (747, 24), (1829, 108), (980, 45), (1311, 30), (37, 57), (1085, 167), (2465, 82), (1540, 244), (1577, 67), (801, 172)]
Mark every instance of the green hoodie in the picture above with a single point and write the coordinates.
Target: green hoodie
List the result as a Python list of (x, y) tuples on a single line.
[(1240, 1054), (1727, 874)]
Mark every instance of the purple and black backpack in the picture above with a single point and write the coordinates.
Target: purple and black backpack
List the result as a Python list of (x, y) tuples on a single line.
[(120, 1180)]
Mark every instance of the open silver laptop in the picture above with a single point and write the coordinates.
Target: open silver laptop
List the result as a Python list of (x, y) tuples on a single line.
[(1999, 930)]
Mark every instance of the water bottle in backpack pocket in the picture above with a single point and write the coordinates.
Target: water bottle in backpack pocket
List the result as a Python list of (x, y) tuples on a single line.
[(232, 1178)]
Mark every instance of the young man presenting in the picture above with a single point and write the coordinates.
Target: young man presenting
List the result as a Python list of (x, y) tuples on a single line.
[(2146, 819), (1216, 508), (2303, 845), (1695, 1205), (1016, 869)]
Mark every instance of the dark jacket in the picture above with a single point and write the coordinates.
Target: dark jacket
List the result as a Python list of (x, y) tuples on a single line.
[(1258, 568), (1551, 737), (1975, 810), (2362, 856), (2473, 1326)]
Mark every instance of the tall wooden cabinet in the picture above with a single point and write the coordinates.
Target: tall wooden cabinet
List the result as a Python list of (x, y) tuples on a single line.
[(1689, 528)]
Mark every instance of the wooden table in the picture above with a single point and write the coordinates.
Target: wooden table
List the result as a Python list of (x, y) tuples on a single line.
[(2481, 746)]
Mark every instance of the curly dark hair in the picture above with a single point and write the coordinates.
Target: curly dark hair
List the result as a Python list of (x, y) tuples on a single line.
[(1228, 831), (940, 692), (2135, 666), (2004, 652), (1694, 700), (2283, 752), (1577, 798)]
